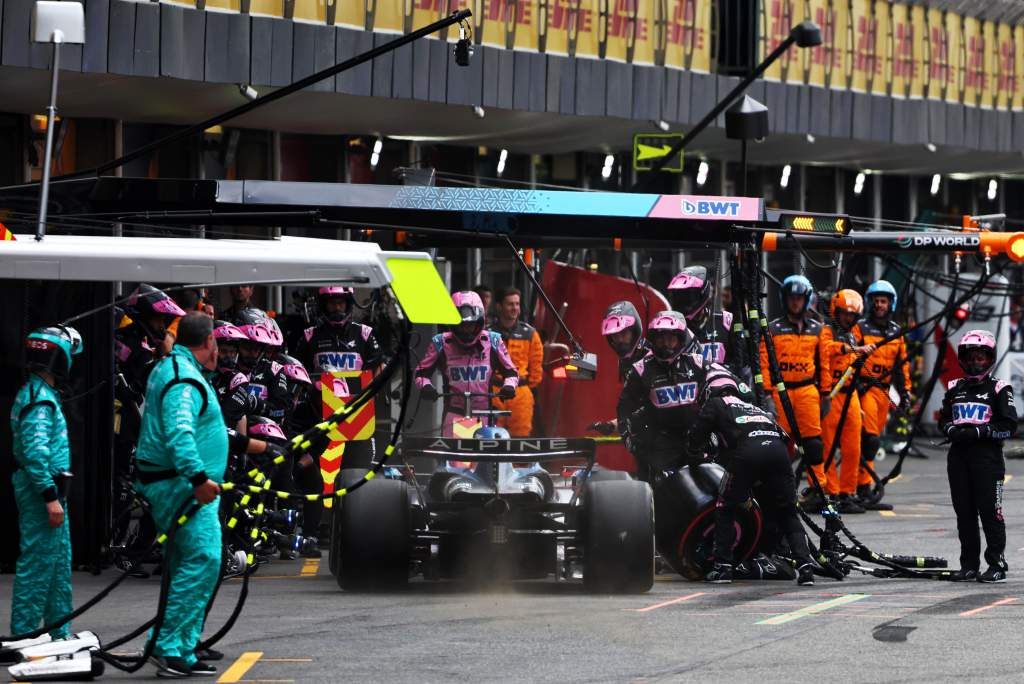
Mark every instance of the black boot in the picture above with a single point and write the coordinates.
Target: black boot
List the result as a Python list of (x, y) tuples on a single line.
[(805, 575), (720, 574)]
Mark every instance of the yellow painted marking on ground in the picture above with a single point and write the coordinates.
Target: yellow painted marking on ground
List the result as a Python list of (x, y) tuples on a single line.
[(240, 666), (310, 567), (994, 604), (813, 609), (667, 603)]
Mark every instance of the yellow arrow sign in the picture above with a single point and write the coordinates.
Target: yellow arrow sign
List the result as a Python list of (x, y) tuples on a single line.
[(651, 152)]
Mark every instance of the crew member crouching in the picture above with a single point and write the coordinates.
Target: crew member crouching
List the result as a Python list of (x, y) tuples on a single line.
[(752, 451)]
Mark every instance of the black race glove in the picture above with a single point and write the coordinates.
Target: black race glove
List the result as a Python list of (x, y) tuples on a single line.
[(428, 393), (967, 433), (274, 451), (603, 427), (507, 392), (826, 405)]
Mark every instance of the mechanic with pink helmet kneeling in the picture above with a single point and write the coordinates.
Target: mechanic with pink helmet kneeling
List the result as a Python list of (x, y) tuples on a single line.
[(467, 356), (977, 415)]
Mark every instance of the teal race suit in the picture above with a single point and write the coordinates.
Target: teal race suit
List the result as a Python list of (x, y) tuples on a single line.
[(42, 586), (182, 443)]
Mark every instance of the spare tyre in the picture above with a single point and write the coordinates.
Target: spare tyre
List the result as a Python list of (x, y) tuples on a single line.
[(617, 525), (685, 504), (373, 534)]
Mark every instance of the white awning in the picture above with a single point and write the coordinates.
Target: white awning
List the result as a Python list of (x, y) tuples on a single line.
[(195, 260)]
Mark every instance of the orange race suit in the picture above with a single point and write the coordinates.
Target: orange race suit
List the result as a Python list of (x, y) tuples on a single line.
[(796, 347), (527, 352), (884, 367), (835, 359)]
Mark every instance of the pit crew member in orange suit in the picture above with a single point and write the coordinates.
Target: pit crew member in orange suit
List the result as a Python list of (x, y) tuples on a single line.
[(796, 334), (527, 352), (839, 347), (886, 366)]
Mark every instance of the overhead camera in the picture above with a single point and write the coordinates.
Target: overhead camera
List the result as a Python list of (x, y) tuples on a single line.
[(464, 46)]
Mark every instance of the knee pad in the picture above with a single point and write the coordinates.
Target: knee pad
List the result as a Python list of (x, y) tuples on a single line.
[(814, 450), (869, 445)]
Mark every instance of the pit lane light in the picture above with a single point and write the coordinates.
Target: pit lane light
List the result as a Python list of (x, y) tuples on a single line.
[(827, 224), (1015, 247)]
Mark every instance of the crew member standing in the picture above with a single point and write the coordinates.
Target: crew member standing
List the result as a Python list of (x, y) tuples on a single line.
[(796, 334), (527, 352), (838, 349), (241, 299), (182, 455), (977, 415), (885, 367), (42, 459)]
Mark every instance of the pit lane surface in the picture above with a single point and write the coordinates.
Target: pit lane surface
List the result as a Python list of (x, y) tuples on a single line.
[(298, 626)]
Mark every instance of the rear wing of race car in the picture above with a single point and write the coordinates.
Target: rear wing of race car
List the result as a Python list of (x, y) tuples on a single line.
[(540, 449)]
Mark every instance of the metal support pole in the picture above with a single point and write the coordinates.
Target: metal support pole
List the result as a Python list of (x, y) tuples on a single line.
[(276, 165), (51, 115), (876, 216)]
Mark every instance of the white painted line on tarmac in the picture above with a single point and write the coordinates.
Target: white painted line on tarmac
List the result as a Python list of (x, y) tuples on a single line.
[(663, 604), (813, 609)]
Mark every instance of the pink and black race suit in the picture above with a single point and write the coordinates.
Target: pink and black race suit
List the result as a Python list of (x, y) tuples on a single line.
[(338, 348), (466, 369), (716, 342)]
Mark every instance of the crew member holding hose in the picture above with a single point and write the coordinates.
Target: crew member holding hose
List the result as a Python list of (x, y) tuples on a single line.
[(884, 367), (839, 348), (977, 414), (42, 459), (796, 336), (183, 453)]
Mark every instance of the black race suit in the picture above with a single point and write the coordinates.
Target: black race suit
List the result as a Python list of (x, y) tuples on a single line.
[(752, 450), (977, 416)]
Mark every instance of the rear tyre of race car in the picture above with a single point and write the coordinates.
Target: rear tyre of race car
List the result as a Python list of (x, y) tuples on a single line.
[(373, 534), (618, 537), (346, 478), (605, 475)]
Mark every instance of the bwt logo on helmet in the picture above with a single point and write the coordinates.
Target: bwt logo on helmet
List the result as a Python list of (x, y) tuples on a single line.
[(339, 361), (468, 373), (674, 395), (711, 208), (972, 413)]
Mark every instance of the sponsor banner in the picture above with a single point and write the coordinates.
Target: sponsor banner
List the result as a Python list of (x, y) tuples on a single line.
[(918, 49), (881, 77), (990, 82), (389, 17), (1017, 103), (901, 42), (1006, 67), (776, 22), (828, 59), (966, 241), (707, 208), (974, 66), (799, 66), (936, 55), (688, 36), (954, 58), (863, 31)]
